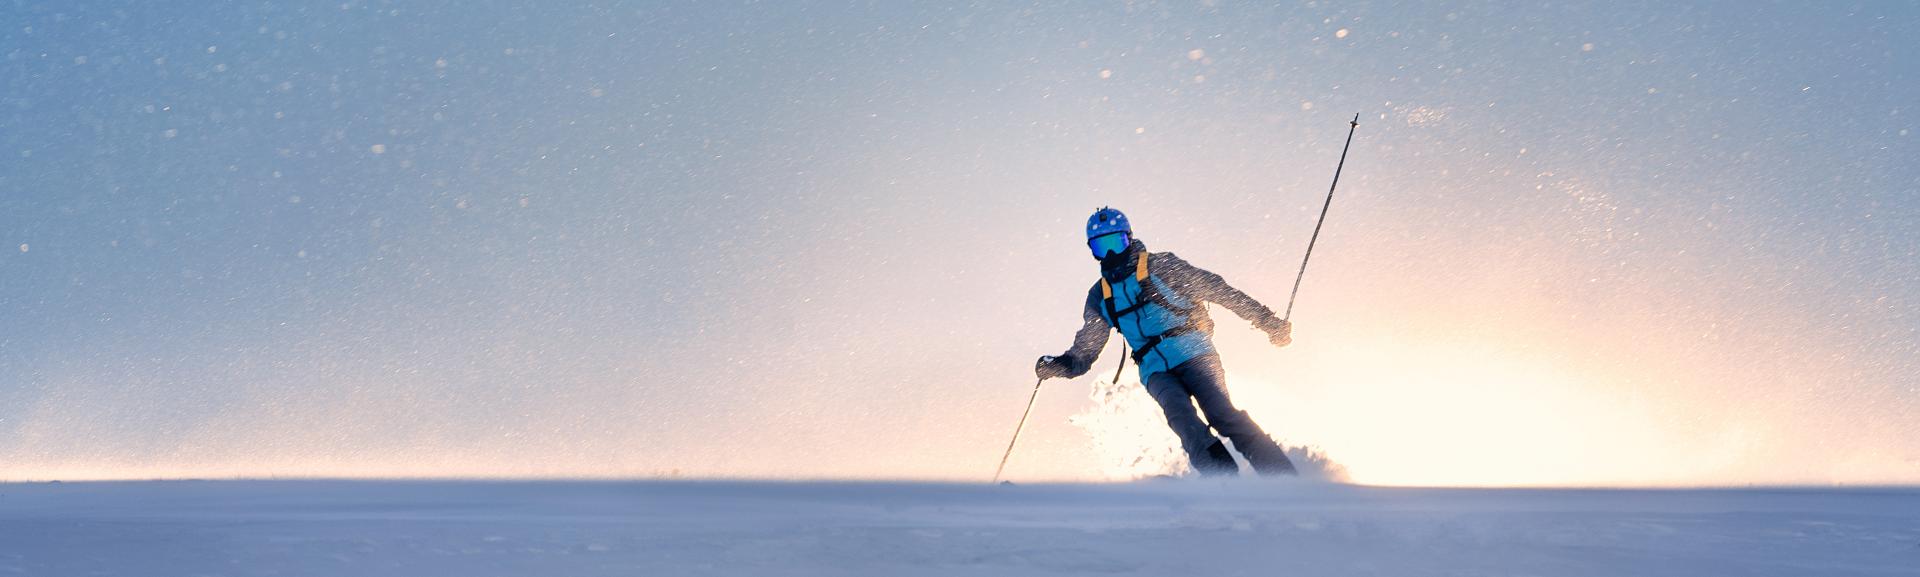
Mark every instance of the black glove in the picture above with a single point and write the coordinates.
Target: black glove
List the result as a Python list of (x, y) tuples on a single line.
[(1279, 331), (1050, 367)]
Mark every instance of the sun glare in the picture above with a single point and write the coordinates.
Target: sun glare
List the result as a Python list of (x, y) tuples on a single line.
[(1459, 415)]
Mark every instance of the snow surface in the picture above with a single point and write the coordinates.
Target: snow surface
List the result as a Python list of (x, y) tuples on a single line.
[(765, 528)]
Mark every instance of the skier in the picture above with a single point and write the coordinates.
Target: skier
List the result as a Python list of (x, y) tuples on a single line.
[(1158, 302)]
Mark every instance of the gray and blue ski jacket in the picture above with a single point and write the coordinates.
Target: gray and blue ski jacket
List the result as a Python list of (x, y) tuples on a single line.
[(1158, 303)]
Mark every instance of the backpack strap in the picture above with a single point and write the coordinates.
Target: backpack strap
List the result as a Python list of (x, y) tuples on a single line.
[(1147, 293), (1140, 354)]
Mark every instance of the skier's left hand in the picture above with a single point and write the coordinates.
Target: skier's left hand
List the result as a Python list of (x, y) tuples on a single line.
[(1280, 332)]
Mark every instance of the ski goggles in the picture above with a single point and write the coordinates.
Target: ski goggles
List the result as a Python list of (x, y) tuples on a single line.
[(1109, 244)]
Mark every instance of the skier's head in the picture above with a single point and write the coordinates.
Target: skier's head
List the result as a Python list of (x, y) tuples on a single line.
[(1108, 233)]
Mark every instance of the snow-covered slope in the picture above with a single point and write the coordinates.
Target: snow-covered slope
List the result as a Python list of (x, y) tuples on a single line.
[(1150, 528)]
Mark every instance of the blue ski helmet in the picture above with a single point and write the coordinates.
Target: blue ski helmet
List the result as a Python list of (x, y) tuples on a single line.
[(1108, 232)]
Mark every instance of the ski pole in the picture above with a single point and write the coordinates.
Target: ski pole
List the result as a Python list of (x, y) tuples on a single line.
[(1036, 395), (1016, 430), (1352, 125)]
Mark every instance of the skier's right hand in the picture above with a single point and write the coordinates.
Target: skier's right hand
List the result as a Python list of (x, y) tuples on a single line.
[(1049, 367)]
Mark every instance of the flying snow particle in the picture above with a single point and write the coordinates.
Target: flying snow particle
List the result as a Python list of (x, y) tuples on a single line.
[(1106, 73), (1341, 33), (1588, 47), (79, 61), (1422, 116), (213, 49), (378, 148), (440, 63), (23, 247), (1140, 130), (1196, 54), (170, 133), (1306, 105)]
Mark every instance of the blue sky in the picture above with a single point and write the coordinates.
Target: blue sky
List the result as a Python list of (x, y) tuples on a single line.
[(818, 239)]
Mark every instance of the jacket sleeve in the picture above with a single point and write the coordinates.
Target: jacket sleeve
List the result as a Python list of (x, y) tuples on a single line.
[(1200, 284), (1091, 339)]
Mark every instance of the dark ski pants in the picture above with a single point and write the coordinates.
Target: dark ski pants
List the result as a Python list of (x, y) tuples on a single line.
[(1204, 382)]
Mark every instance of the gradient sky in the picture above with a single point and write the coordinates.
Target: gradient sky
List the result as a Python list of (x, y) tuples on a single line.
[(1597, 244)]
